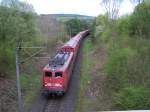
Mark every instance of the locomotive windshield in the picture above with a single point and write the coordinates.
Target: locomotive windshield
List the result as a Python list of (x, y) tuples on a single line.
[(48, 74), (58, 74)]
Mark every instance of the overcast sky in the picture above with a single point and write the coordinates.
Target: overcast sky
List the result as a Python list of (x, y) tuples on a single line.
[(83, 7)]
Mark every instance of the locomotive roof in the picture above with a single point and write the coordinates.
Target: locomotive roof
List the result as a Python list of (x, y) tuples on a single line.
[(60, 61)]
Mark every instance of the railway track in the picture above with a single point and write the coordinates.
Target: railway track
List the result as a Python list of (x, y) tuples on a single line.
[(67, 103)]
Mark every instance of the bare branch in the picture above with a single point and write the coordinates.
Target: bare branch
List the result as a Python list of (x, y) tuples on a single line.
[(112, 7)]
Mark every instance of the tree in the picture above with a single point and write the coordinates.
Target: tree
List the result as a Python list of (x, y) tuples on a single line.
[(15, 25), (140, 21), (112, 7), (10, 3), (76, 25), (16, 4)]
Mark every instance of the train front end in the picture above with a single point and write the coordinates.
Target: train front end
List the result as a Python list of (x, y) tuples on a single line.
[(53, 82)]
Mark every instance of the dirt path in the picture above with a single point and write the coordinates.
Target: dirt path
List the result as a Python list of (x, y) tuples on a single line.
[(68, 102), (98, 89)]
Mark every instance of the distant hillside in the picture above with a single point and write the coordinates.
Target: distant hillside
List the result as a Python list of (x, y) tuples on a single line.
[(50, 26), (65, 17)]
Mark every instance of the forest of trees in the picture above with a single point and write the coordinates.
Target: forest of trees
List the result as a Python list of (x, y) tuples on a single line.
[(127, 41), (17, 24), (73, 26)]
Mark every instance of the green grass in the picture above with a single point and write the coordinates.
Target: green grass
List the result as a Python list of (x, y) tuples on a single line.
[(31, 85), (83, 101), (87, 63)]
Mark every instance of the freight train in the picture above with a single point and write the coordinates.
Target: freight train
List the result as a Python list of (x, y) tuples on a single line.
[(57, 73)]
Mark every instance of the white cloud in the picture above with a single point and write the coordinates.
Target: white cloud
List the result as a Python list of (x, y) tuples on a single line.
[(86, 7)]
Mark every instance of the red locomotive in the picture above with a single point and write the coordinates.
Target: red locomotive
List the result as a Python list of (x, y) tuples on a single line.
[(58, 71)]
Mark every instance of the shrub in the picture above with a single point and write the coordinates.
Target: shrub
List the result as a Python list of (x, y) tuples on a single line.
[(123, 25), (139, 23), (133, 97), (138, 66), (116, 67), (6, 61)]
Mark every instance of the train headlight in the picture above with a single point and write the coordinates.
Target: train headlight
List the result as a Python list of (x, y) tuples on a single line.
[(48, 84), (58, 85), (53, 84)]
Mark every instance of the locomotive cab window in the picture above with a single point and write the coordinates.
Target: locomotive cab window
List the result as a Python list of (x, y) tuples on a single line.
[(48, 74), (58, 74)]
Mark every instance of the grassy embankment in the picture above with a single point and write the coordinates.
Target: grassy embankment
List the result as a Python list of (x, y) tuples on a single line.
[(85, 76), (127, 43), (31, 84), (93, 93)]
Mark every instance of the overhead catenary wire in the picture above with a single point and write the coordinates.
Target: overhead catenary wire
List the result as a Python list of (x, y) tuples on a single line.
[(18, 62)]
